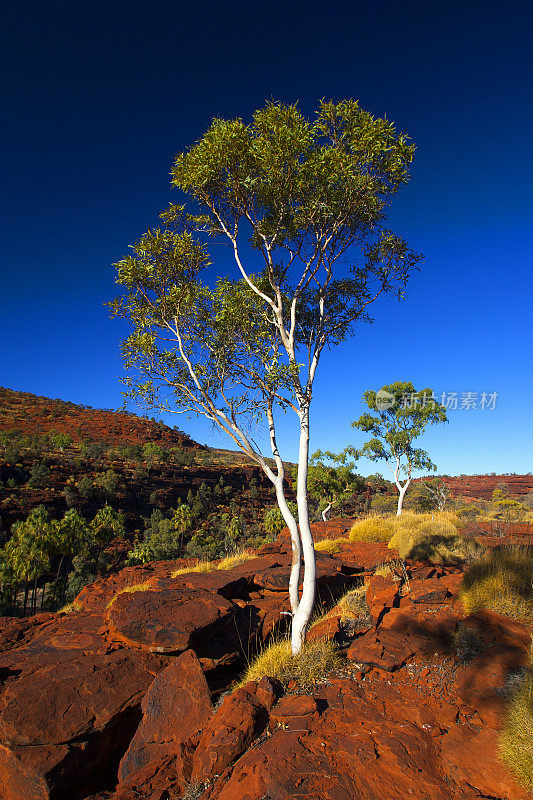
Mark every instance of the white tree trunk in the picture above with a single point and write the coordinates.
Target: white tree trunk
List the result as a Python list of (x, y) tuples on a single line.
[(301, 618), (402, 490), (325, 512), (296, 546)]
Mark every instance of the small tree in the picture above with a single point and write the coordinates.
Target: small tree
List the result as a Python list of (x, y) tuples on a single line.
[(302, 205), (106, 525), (330, 482), (402, 415)]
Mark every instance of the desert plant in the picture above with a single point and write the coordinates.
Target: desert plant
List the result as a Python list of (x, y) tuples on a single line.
[(402, 415), (467, 643), (330, 545), (383, 503), (501, 581), (314, 662), (39, 473), (432, 537)]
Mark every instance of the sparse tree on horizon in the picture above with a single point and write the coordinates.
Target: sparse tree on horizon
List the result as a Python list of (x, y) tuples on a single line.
[(401, 415), (301, 205)]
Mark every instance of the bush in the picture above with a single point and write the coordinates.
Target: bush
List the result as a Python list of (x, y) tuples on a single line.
[(384, 503), (39, 474), (467, 643), (372, 529), (314, 662), (87, 489), (501, 582), (273, 520), (516, 743)]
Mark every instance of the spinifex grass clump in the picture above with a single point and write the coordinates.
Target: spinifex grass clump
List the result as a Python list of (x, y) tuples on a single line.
[(329, 545), (516, 742), (313, 662), (372, 529), (433, 537), (501, 581)]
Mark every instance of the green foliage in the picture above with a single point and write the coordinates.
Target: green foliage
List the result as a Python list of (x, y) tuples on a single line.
[(108, 482), (93, 451), (384, 503), (154, 452), (331, 480), (273, 521), (506, 508), (86, 488), (106, 525), (31, 544), (39, 474), (302, 193)]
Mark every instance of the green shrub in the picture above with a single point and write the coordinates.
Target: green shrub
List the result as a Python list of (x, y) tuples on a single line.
[(384, 503), (273, 521), (39, 474)]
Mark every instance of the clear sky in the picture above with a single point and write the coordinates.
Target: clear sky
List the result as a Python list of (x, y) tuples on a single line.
[(97, 97)]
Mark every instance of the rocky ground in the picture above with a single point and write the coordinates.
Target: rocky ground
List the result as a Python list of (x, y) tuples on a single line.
[(126, 697)]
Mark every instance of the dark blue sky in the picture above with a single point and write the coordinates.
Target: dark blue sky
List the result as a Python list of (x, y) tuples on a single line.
[(99, 96)]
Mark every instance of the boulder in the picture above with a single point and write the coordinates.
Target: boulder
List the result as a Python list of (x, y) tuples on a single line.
[(381, 595), (242, 716), (167, 621), (176, 706), (382, 649), (65, 725)]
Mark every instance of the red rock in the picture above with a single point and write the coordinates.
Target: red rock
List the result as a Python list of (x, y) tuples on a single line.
[(160, 779), (295, 706), (176, 706), (384, 649), (353, 750), (240, 718), (381, 595), (470, 755), (167, 622), (66, 725), (326, 628)]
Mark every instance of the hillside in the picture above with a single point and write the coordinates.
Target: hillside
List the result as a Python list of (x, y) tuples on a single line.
[(482, 486), (33, 415)]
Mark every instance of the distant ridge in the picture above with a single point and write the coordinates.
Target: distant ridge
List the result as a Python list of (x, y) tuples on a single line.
[(34, 415)]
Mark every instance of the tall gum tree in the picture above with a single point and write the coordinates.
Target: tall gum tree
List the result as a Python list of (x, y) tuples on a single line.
[(302, 204), (402, 415)]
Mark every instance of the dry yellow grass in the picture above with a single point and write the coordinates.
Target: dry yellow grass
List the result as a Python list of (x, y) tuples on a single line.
[(372, 529), (432, 537), (329, 545), (501, 581), (136, 587), (353, 604), (314, 662), (516, 742), (226, 563), (70, 607)]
